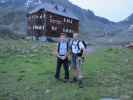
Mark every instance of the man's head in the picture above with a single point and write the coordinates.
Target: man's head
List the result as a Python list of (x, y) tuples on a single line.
[(62, 36), (76, 36)]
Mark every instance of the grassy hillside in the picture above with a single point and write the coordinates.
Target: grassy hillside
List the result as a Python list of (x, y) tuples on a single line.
[(27, 69)]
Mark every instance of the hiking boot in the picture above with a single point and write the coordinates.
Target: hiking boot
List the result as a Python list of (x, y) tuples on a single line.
[(66, 80), (74, 80), (80, 84), (57, 78)]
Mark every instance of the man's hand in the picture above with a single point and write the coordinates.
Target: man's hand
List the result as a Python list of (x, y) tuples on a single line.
[(65, 56), (62, 57)]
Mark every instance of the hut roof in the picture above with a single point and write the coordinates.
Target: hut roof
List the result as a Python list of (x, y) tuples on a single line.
[(56, 9)]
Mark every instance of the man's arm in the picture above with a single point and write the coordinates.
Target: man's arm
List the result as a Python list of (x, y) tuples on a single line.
[(83, 48), (57, 52)]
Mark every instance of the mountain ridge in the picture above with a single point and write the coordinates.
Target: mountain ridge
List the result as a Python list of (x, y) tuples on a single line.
[(90, 24)]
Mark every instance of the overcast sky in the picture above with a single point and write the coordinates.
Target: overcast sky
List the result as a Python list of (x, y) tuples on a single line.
[(114, 10)]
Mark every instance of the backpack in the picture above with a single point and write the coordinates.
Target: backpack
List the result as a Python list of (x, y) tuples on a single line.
[(80, 54), (59, 47)]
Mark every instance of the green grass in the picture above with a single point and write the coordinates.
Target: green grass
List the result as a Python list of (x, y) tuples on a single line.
[(27, 69)]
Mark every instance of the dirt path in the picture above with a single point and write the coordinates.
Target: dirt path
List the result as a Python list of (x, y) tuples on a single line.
[(90, 50)]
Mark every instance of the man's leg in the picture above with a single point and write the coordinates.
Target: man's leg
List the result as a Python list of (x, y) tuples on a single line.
[(66, 69), (78, 68), (79, 74), (58, 67), (74, 57)]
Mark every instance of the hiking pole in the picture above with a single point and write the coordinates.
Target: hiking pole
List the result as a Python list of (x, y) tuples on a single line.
[(81, 63), (83, 59)]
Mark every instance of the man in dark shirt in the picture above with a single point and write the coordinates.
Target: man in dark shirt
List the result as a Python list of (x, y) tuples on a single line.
[(62, 57)]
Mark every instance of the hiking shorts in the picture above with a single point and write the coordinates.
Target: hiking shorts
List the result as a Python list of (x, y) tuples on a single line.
[(76, 61)]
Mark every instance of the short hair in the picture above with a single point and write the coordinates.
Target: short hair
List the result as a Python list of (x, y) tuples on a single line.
[(75, 34)]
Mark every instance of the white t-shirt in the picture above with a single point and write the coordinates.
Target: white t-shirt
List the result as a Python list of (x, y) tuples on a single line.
[(77, 45)]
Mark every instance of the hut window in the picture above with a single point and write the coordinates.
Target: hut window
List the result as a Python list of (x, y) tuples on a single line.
[(68, 20), (33, 27), (36, 16), (54, 28), (44, 15), (36, 27), (43, 27), (41, 17), (70, 31), (40, 27), (67, 29), (64, 19), (63, 29), (71, 21), (50, 16)]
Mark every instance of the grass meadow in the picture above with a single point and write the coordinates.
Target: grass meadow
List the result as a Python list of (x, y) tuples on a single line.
[(27, 73)]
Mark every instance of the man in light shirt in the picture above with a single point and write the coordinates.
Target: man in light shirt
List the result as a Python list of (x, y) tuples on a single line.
[(77, 50)]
